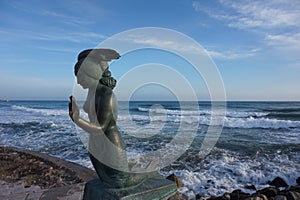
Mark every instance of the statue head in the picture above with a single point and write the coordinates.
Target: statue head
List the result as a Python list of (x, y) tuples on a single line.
[(91, 64)]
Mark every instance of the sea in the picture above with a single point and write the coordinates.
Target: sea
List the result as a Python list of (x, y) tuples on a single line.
[(257, 141)]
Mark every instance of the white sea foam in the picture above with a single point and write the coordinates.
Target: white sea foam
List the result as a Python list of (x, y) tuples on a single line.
[(231, 122), (251, 122), (235, 114), (173, 112), (47, 112), (231, 172), (241, 114)]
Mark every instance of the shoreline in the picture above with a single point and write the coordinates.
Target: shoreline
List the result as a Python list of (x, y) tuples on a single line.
[(278, 189), (41, 176)]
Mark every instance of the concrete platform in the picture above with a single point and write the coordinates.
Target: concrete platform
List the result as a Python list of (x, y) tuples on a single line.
[(19, 192), (156, 188)]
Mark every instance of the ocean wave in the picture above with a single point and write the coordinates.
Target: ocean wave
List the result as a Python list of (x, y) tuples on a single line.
[(34, 126), (230, 122), (43, 111), (283, 110), (235, 114), (291, 116), (266, 123), (172, 112)]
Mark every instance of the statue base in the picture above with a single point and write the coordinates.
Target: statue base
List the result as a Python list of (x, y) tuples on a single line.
[(151, 188)]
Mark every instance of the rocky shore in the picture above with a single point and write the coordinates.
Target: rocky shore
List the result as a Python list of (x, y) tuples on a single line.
[(278, 190), (28, 169)]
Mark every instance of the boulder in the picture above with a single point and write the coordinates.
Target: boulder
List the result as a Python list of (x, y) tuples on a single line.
[(269, 192), (178, 196), (176, 179), (250, 187), (298, 180), (262, 197), (291, 195), (217, 198), (278, 182), (253, 198), (239, 195), (295, 188), (280, 197), (257, 197)]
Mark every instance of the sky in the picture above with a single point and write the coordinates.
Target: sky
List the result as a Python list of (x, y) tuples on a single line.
[(255, 46)]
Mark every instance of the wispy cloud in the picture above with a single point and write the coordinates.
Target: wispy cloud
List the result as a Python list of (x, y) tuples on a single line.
[(59, 17), (57, 36), (67, 19), (277, 21), (270, 14), (255, 13), (75, 37), (193, 48), (231, 55), (57, 49), (289, 41), (167, 44)]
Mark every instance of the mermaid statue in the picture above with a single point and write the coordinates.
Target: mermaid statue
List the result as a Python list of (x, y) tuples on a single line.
[(106, 147), (118, 179)]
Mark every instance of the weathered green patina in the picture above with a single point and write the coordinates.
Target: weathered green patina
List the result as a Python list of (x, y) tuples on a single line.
[(107, 149)]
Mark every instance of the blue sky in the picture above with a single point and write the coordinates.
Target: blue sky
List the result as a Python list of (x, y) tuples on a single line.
[(254, 44)]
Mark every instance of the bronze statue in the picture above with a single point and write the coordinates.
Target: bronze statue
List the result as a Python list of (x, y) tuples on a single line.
[(106, 146), (107, 149)]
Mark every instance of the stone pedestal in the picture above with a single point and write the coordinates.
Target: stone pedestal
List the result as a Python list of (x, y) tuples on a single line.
[(151, 188)]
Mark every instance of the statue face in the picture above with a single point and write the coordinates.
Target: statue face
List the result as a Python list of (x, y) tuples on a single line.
[(90, 73), (103, 66), (91, 68), (85, 80)]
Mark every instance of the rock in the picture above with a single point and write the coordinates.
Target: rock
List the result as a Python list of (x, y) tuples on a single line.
[(291, 195), (178, 196), (257, 197), (262, 197), (239, 195), (253, 198), (226, 195), (298, 180), (269, 192), (278, 182), (280, 197), (250, 187), (26, 184), (295, 188), (217, 198), (199, 196), (176, 179)]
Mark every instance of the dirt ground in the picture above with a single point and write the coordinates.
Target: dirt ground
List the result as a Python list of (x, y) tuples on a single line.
[(27, 169)]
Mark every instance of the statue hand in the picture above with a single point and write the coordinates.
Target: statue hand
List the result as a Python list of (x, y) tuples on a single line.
[(73, 109)]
